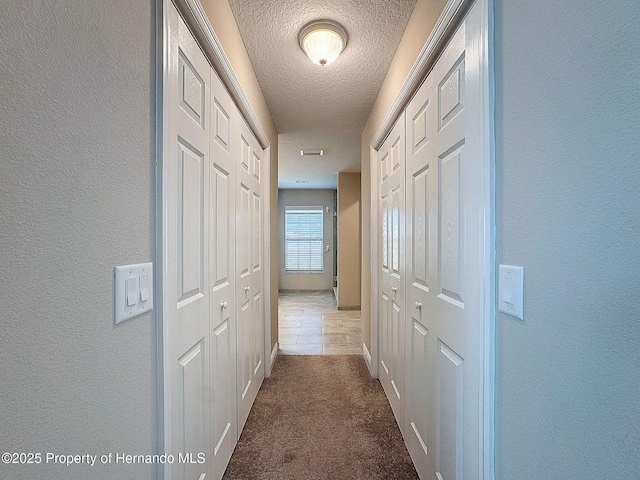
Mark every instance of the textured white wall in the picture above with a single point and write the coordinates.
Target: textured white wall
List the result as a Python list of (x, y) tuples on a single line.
[(76, 199), (568, 210), (307, 198)]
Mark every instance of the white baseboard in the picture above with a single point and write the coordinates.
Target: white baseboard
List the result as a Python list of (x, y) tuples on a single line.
[(367, 355), (274, 353)]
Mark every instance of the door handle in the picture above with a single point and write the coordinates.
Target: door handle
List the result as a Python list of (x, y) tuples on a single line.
[(246, 289), (224, 305), (418, 305), (394, 289)]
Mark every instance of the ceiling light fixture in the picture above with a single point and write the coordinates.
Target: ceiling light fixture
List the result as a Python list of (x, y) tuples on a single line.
[(322, 41)]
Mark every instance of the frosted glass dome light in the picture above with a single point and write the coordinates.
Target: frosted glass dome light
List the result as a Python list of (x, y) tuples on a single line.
[(322, 41)]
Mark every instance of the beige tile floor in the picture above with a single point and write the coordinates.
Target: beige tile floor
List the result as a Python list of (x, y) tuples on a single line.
[(311, 324)]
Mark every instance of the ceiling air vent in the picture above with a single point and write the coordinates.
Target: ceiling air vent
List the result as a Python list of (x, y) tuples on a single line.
[(311, 152)]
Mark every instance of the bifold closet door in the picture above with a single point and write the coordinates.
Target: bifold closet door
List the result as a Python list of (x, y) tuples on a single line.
[(249, 271), (224, 132), (391, 162), (199, 210), (445, 208), (187, 290)]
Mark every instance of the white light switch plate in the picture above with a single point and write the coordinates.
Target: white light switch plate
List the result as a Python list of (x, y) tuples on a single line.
[(510, 290), (133, 291)]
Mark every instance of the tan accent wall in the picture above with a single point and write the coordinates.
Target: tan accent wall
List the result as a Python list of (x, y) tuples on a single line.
[(349, 233), (422, 21), (224, 24)]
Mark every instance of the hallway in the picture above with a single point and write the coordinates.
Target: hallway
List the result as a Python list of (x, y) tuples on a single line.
[(85, 102), (310, 324)]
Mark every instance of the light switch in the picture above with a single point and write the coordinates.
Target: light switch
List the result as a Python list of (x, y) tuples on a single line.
[(131, 287), (507, 293), (144, 288), (510, 290), (133, 290)]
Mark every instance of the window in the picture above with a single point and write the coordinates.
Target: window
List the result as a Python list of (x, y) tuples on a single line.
[(303, 241)]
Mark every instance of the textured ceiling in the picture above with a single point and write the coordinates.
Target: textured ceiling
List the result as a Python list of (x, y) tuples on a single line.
[(317, 107)]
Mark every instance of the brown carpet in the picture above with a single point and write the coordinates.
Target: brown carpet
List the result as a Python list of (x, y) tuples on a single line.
[(320, 417)]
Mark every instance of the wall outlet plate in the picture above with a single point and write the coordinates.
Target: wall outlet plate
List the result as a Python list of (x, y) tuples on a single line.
[(510, 290), (133, 291)]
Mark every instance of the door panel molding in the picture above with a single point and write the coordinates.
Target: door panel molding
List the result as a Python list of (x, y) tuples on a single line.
[(391, 204)]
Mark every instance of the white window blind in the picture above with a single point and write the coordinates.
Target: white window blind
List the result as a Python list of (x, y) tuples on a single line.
[(303, 243)]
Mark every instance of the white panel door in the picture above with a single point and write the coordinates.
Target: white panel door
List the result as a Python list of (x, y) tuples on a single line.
[(391, 162), (224, 132), (446, 204), (187, 290), (249, 272)]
